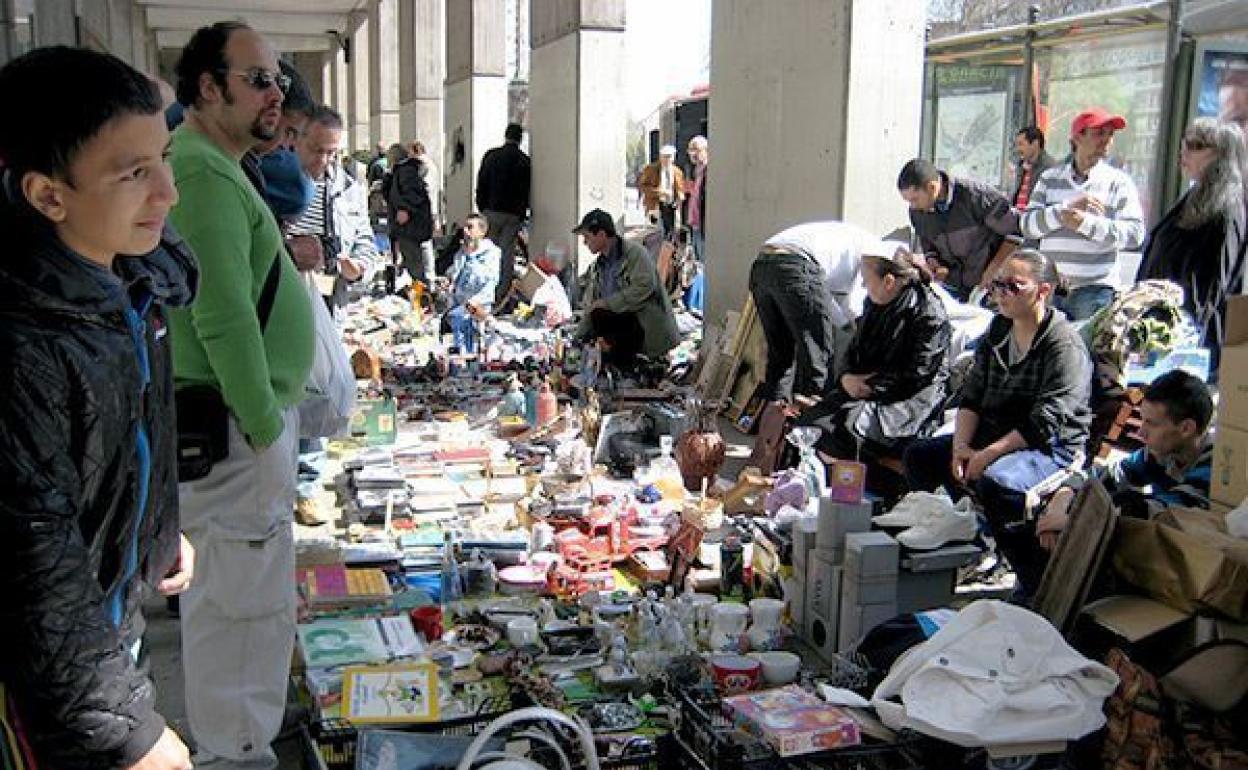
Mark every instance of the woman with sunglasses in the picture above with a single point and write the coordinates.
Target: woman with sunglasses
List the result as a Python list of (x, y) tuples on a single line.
[(1200, 242), (896, 367), (1023, 415)]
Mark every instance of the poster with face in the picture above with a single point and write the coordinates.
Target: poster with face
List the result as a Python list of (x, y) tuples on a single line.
[(1221, 83)]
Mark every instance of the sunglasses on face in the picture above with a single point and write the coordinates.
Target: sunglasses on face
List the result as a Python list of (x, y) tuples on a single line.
[(262, 79), (1194, 145), (1011, 286)]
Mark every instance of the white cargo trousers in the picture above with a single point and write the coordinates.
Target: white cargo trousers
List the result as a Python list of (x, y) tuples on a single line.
[(238, 617)]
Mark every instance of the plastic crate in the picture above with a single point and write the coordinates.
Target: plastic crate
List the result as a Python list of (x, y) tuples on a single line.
[(330, 744), (707, 740)]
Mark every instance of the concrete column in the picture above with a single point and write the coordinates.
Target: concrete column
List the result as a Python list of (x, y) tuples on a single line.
[(358, 85), (786, 77), (311, 65), (422, 70), (56, 23), (383, 72), (327, 93), (476, 95), (121, 33), (339, 85), (577, 115)]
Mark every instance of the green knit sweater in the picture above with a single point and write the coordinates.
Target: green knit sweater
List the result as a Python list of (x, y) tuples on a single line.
[(218, 341)]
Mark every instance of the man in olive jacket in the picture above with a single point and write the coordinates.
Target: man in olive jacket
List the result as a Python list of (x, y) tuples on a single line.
[(624, 304)]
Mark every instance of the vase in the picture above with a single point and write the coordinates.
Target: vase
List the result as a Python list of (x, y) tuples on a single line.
[(699, 455)]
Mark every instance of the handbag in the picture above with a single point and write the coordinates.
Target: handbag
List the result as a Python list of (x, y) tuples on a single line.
[(203, 419), (329, 397)]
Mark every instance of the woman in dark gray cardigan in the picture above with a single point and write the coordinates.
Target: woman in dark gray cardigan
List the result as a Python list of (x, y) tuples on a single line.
[(1023, 416)]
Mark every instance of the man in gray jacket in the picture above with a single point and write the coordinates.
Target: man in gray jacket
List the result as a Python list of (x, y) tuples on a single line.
[(624, 305)]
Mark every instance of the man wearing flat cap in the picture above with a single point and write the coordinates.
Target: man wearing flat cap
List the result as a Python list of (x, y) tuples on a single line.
[(662, 185), (1085, 211), (624, 306)]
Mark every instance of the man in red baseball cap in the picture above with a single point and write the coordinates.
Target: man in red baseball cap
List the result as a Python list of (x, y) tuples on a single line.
[(1084, 211)]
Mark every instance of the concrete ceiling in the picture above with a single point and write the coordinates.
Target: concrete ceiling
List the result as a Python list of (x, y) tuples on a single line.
[(290, 25)]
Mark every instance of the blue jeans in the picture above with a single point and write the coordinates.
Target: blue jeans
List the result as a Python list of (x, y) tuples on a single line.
[(1001, 492), (463, 329), (1083, 301)]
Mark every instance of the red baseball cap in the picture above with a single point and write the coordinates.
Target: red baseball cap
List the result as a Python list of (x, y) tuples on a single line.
[(1096, 117)]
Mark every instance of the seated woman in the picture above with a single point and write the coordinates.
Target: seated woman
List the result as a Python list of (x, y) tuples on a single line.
[(896, 368), (1023, 416)]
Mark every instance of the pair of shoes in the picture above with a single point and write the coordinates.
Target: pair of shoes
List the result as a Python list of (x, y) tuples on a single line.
[(909, 510), (307, 514), (938, 525)]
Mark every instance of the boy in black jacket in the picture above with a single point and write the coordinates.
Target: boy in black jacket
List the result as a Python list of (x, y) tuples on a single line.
[(88, 487)]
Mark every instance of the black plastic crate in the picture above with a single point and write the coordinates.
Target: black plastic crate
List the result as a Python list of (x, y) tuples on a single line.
[(707, 740), (333, 741)]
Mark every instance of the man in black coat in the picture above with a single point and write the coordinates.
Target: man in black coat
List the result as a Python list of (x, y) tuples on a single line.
[(88, 483), (503, 197), (411, 216)]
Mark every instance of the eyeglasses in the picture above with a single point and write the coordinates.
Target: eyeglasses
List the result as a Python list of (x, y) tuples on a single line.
[(262, 79), (1194, 145), (1011, 286)]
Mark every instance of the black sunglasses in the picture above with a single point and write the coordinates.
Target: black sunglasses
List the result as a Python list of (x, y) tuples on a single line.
[(262, 79), (1194, 145), (1011, 286)]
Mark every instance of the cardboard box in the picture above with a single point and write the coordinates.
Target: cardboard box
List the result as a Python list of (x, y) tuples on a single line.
[(823, 586), (1229, 484), (876, 590), (836, 520), (1233, 371), (858, 619), (821, 634), (871, 554), (792, 720)]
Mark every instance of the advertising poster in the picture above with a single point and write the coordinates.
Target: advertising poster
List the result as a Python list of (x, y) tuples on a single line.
[(1220, 84), (973, 131)]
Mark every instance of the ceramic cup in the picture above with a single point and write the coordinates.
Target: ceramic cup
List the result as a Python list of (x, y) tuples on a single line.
[(735, 673)]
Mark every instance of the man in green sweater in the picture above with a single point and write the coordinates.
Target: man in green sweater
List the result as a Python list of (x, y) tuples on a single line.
[(238, 622)]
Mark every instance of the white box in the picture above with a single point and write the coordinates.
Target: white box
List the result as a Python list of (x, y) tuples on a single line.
[(878, 590), (821, 634), (823, 587), (836, 520), (858, 619)]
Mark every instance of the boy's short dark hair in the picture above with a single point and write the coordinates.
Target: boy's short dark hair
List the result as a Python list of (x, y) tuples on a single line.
[(916, 174), (514, 132), (1185, 397), (104, 88), (205, 52)]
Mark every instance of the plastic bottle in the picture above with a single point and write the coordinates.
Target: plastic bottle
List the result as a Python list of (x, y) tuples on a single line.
[(665, 473), (451, 587), (547, 405)]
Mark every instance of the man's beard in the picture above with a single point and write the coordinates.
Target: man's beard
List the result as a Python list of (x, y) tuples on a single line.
[(258, 130), (262, 132)]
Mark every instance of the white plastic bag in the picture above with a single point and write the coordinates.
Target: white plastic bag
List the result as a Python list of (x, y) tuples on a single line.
[(329, 398)]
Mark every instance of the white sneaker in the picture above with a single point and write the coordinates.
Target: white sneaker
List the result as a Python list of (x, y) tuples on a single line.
[(941, 525), (908, 511)]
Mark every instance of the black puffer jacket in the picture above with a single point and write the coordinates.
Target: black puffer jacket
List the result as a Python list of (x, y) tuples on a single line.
[(405, 189), (88, 490)]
